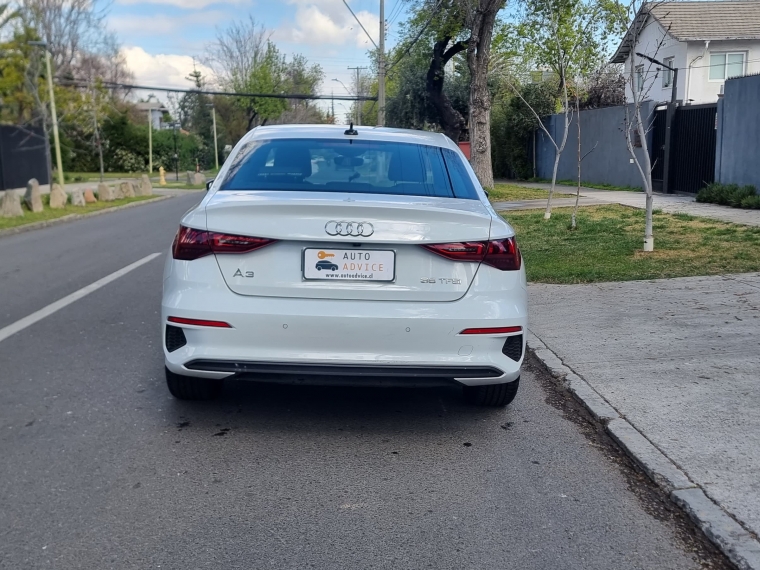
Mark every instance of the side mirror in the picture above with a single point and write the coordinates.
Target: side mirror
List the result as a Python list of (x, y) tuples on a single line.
[(487, 193), (209, 184)]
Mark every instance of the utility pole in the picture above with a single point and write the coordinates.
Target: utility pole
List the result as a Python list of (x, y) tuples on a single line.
[(53, 114), (357, 104), (150, 135), (669, 115), (381, 69), (216, 145)]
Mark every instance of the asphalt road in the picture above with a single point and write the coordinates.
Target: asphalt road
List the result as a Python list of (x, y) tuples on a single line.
[(101, 468)]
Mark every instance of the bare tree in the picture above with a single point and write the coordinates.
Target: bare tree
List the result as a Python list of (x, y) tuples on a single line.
[(236, 52), (574, 217), (70, 28), (635, 125)]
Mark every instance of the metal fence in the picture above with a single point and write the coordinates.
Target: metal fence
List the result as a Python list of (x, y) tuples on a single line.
[(23, 155)]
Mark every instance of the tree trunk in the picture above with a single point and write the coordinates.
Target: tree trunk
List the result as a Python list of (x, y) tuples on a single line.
[(478, 58), (451, 120), (560, 149), (647, 168), (578, 190)]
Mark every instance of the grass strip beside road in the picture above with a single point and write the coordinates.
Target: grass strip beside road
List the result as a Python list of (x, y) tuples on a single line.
[(49, 214), (607, 246), (513, 193)]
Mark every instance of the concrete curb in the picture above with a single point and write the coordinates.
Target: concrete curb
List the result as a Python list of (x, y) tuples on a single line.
[(73, 217), (739, 546)]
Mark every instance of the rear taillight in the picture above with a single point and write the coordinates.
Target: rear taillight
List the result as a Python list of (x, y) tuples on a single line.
[(191, 244), (502, 254)]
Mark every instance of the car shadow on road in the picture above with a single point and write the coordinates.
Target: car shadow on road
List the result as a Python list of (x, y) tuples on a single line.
[(265, 408)]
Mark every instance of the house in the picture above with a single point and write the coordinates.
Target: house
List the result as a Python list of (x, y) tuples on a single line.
[(157, 112), (707, 41)]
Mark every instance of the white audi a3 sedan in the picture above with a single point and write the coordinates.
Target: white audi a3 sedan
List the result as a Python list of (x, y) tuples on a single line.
[(332, 255)]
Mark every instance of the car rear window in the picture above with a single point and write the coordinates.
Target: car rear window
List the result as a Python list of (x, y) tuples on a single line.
[(349, 165)]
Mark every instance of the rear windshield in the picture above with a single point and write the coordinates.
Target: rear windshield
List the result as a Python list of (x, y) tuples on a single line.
[(365, 167)]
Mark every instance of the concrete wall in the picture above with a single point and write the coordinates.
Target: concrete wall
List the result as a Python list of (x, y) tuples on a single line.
[(609, 163), (737, 154)]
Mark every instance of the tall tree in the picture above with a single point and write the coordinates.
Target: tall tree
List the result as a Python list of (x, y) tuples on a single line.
[(479, 18)]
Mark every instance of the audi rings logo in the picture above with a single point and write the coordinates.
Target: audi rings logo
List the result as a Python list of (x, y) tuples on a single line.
[(356, 229)]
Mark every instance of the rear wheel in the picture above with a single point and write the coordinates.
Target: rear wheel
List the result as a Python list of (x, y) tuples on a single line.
[(492, 394), (189, 388)]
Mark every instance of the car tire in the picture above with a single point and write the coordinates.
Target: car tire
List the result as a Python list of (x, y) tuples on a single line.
[(189, 388), (319, 269), (495, 395)]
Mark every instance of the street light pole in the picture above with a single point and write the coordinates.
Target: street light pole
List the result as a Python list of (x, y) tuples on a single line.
[(669, 115), (53, 114), (150, 135)]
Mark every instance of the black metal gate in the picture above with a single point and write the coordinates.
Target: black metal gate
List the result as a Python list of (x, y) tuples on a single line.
[(692, 157)]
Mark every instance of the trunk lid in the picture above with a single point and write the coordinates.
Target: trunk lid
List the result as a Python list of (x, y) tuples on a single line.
[(300, 221)]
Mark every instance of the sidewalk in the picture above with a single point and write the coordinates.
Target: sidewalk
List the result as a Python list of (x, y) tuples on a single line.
[(679, 360), (669, 203)]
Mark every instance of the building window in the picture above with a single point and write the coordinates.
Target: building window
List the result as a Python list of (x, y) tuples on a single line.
[(667, 75), (726, 65), (640, 78)]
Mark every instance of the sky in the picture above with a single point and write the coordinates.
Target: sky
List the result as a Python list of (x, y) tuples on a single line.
[(163, 39)]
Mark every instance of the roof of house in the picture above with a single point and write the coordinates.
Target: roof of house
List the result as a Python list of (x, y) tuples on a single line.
[(697, 21), (152, 105)]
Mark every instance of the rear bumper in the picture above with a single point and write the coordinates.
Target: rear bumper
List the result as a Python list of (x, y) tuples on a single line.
[(350, 340)]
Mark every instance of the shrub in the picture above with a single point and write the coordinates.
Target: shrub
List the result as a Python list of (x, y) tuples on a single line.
[(729, 195), (751, 202)]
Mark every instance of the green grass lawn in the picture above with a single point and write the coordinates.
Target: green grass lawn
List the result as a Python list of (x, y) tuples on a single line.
[(95, 176), (48, 214), (513, 192), (607, 246), (574, 184), (180, 186)]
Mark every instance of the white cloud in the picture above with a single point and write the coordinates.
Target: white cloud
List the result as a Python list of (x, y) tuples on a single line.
[(161, 70), (328, 22), (186, 4)]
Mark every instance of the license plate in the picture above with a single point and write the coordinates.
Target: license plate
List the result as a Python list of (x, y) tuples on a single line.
[(349, 264)]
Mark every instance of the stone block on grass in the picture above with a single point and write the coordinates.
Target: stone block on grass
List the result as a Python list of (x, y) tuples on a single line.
[(10, 207), (105, 193), (89, 196), (190, 177), (77, 198), (146, 188), (58, 197), (199, 179), (127, 190), (33, 198)]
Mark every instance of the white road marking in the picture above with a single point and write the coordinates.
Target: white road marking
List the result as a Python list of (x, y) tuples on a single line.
[(29, 320)]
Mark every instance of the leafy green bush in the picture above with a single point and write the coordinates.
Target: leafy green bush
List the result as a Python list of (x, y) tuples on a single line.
[(729, 195), (751, 202)]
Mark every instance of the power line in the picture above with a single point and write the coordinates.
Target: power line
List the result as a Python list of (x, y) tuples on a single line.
[(299, 96), (419, 35)]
